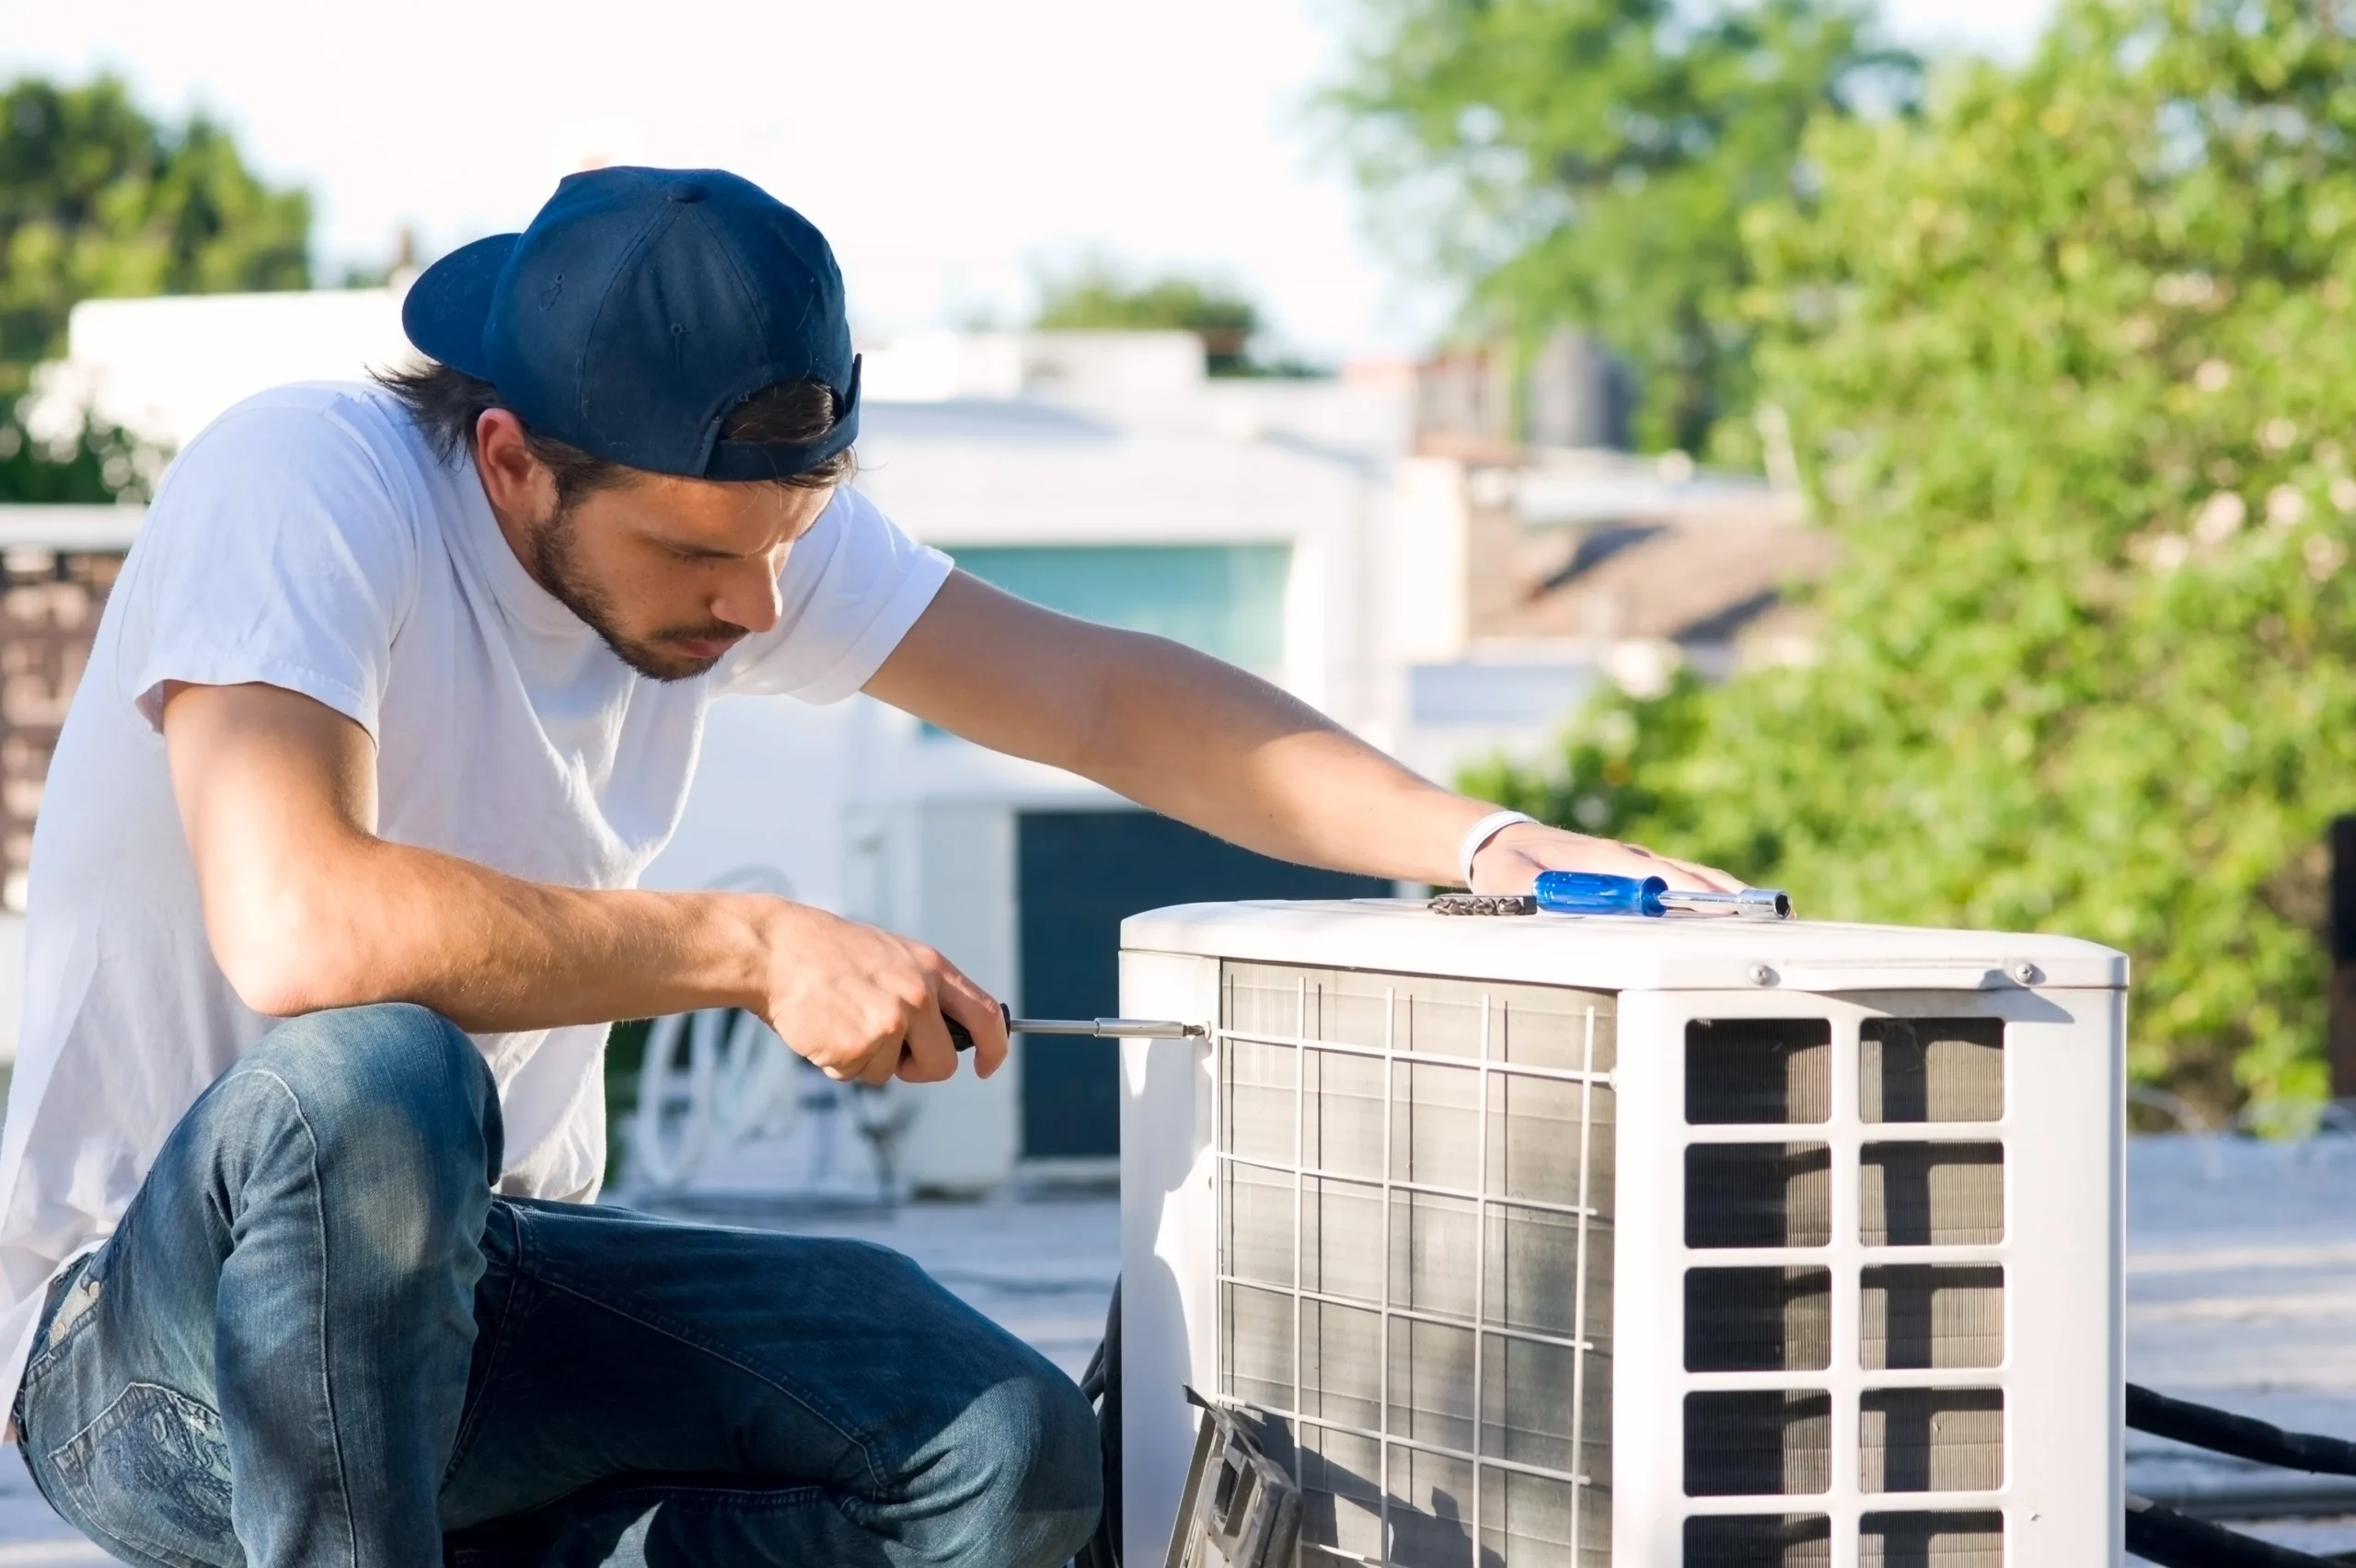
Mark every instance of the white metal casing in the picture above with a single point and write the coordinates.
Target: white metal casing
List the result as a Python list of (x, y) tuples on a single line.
[(2062, 1005)]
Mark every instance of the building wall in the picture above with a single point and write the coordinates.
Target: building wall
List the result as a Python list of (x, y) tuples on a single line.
[(166, 367), (1224, 600), (50, 604)]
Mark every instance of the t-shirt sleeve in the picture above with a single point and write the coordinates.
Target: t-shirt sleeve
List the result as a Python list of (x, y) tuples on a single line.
[(277, 551), (851, 588)]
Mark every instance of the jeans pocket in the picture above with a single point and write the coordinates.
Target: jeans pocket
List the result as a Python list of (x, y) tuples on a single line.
[(153, 1473), (71, 1296)]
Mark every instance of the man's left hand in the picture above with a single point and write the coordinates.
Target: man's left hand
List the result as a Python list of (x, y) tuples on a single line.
[(1510, 862)]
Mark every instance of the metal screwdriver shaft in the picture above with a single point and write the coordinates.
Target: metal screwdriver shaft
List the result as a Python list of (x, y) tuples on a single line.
[(1106, 1027), (1085, 1027)]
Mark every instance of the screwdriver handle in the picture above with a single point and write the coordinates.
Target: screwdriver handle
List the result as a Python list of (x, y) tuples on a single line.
[(963, 1037), (1593, 893)]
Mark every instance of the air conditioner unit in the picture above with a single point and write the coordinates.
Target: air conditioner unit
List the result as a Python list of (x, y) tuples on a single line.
[(1544, 1240)]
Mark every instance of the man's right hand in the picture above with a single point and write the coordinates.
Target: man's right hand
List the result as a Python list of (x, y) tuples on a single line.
[(865, 1004)]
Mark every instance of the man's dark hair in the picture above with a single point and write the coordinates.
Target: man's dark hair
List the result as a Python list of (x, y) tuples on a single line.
[(448, 404)]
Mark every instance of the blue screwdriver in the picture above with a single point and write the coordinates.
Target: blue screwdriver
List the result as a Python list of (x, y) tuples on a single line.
[(1593, 893)]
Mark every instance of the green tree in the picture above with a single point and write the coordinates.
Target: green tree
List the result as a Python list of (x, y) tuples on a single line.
[(2067, 365), (1585, 163), (95, 462), (99, 199), (1096, 295)]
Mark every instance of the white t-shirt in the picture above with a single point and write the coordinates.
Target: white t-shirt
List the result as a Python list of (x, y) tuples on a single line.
[(311, 539)]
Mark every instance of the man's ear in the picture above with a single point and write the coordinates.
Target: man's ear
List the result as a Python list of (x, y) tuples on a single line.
[(516, 483)]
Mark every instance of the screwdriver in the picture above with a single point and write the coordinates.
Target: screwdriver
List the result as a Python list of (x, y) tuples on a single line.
[(1087, 1028), (1593, 893)]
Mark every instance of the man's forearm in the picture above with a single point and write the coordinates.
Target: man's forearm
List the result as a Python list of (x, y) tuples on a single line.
[(377, 922), (369, 921), (1214, 747), (1230, 754), (1174, 730), (305, 907)]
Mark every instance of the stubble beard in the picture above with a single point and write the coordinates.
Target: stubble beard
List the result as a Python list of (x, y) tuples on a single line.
[(555, 566)]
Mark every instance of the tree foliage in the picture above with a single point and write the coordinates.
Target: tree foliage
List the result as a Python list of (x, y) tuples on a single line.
[(1585, 163), (92, 463), (1097, 295), (99, 199), (2068, 369)]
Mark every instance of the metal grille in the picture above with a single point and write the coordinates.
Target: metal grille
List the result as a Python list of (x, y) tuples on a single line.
[(1932, 1194), (1884, 1540), (1767, 1442), (1758, 1319), (1760, 1541), (1414, 1260), (1932, 1541), (1751, 1315), (1922, 1317), (1768, 1070), (1758, 1195), (1932, 1440), (1930, 1069)]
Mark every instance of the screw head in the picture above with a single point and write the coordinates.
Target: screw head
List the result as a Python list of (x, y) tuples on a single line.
[(2027, 974), (1760, 974)]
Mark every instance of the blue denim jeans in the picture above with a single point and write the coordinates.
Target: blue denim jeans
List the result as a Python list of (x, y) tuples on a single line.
[(318, 1340)]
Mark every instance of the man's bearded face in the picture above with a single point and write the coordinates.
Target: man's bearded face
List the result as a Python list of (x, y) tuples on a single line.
[(672, 574)]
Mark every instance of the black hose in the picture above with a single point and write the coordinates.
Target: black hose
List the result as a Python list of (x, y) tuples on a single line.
[(2221, 1432), (1101, 1384), (1092, 1381), (1108, 1419), (2175, 1541)]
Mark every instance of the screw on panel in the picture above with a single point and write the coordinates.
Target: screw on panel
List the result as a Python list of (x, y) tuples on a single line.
[(1761, 975), (2027, 974)]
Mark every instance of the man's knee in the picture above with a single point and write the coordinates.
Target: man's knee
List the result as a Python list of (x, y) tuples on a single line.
[(394, 1096), (1046, 1461)]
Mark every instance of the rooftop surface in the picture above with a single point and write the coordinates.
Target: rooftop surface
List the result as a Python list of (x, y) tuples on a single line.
[(2240, 1292)]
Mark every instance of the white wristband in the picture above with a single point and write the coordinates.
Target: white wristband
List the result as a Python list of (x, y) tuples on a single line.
[(1478, 835)]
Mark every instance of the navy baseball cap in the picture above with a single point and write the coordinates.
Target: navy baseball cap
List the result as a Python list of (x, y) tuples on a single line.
[(640, 307)]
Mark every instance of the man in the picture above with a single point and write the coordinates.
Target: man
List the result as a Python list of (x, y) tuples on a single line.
[(397, 694)]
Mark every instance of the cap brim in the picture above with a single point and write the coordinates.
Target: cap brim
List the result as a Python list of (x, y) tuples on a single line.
[(446, 307)]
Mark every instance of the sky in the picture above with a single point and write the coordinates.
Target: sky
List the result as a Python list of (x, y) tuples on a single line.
[(950, 149)]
